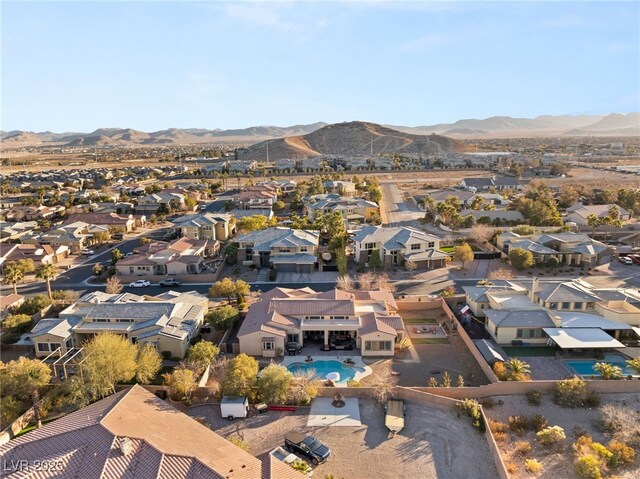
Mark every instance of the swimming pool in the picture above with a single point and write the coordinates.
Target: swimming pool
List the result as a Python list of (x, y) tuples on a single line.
[(584, 367), (323, 367)]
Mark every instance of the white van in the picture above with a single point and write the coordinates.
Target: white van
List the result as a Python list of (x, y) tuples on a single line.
[(625, 260)]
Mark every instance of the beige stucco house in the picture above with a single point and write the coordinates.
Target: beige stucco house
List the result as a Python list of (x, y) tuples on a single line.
[(366, 321)]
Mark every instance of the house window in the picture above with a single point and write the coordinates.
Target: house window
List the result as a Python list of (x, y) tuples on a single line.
[(566, 305), (369, 246), (69, 343), (415, 247), (591, 305), (267, 345), (432, 244), (529, 333), (54, 346), (303, 249), (43, 347), (482, 306), (101, 320), (577, 305), (377, 345), (553, 305)]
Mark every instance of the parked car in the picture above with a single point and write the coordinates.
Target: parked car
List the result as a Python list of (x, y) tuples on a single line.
[(170, 282), (203, 207), (625, 260), (307, 446), (87, 252), (141, 283), (118, 236), (635, 258)]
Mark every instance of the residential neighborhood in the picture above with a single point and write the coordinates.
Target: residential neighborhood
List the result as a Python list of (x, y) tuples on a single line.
[(323, 240)]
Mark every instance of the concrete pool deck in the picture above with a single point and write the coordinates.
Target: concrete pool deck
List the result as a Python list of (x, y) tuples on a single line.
[(357, 363), (324, 414)]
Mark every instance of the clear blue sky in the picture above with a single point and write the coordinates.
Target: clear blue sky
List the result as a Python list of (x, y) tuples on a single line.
[(78, 66)]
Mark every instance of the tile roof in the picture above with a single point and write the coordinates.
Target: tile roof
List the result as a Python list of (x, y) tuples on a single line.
[(264, 240), (372, 324), (163, 442), (392, 238), (537, 318)]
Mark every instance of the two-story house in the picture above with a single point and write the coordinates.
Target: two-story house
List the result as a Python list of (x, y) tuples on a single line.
[(351, 209), (179, 257), (211, 226), (368, 320), (256, 197), (396, 245), (284, 249), (168, 321), (339, 187)]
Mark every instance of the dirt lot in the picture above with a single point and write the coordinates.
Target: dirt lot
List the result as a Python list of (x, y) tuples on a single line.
[(558, 461), (434, 444)]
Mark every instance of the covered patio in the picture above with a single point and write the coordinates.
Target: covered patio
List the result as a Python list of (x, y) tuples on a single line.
[(581, 338)]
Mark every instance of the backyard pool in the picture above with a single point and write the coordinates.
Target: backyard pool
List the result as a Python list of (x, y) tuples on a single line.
[(323, 367), (584, 367)]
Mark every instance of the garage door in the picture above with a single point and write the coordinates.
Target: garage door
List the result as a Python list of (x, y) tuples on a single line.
[(286, 268)]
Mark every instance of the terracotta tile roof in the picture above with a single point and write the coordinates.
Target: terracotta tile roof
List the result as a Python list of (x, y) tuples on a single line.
[(371, 324)]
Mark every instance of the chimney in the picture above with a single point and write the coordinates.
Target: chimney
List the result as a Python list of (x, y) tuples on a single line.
[(126, 446), (534, 287)]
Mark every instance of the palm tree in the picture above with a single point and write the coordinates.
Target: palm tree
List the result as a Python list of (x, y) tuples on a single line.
[(518, 369), (594, 222), (634, 364), (13, 274), (608, 371), (47, 271)]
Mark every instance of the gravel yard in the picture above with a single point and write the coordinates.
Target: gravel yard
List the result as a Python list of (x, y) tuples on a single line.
[(434, 444), (558, 460)]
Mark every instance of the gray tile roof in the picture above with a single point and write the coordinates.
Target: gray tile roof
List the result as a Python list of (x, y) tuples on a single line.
[(393, 238), (265, 240), (537, 318)]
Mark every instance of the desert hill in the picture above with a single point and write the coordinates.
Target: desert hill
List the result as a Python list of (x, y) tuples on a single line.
[(350, 138)]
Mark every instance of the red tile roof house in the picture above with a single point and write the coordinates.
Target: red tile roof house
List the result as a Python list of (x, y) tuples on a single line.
[(133, 434), (369, 318), (256, 197), (182, 256), (113, 221), (9, 301)]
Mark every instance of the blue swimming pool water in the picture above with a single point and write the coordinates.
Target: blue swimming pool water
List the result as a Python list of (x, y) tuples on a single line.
[(322, 368), (584, 367)]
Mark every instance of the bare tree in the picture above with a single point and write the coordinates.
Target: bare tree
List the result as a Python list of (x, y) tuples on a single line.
[(501, 273), (482, 233), (365, 281), (114, 286), (345, 283), (382, 281), (448, 240), (383, 383)]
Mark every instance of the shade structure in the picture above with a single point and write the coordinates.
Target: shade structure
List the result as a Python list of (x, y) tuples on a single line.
[(582, 338)]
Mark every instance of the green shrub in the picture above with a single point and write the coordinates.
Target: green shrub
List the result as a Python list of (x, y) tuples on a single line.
[(550, 435), (19, 323), (534, 397), (589, 467), (538, 422), (472, 408), (33, 305), (518, 424), (573, 393), (532, 466)]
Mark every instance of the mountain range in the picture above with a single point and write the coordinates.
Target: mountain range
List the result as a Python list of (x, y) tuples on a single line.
[(615, 124)]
